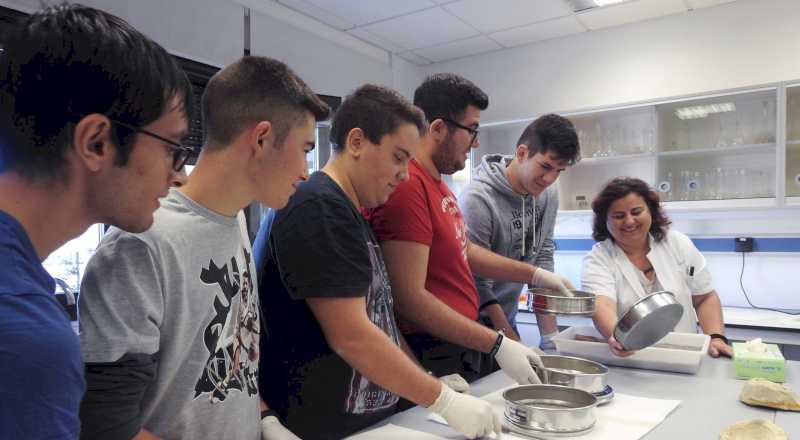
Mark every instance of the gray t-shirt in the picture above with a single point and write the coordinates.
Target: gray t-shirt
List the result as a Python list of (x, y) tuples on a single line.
[(185, 291)]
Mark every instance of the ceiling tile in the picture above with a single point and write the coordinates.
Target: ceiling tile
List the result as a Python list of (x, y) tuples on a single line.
[(319, 14), (458, 49), (422, 29), (362, 12), (698, 4), (632, 12), (411, 57), (503, 14), (546, 30), (376, 40)]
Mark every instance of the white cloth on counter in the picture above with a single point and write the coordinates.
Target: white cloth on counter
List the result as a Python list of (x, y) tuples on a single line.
[(394, 432), (626, 417)]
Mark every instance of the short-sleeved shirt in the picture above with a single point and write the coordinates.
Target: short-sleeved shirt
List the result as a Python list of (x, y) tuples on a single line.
[(184, 291), (321, 247), (41, 372), (424, 210)]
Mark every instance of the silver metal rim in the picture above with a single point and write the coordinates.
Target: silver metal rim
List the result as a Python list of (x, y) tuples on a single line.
[(558, 312), (605, 396), (545, 434)]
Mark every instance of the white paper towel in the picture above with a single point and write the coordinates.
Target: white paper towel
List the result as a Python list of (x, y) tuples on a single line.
[(394, 432), (626, 417)]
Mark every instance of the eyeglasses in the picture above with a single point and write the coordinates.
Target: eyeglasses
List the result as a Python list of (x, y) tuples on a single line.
[(180, 153), (473, 131)]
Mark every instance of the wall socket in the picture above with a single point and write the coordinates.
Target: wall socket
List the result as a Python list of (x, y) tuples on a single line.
[(743, 244)]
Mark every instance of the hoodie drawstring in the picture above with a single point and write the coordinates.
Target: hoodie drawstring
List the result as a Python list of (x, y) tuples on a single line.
[(533, 242), (523, 228)]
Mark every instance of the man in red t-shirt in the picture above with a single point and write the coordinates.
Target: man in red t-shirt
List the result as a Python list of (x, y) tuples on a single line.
[(428, 255)]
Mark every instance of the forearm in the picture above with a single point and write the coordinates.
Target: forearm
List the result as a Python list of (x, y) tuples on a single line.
[(605, 316), (488, 264), (111, 407), (429, 313), (497, 316), (146, 435), (709, 313), (547, 323), (370, 350)]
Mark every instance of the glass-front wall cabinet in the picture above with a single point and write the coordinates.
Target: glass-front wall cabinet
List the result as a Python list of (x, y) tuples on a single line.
[(792, 180), (706, 152)]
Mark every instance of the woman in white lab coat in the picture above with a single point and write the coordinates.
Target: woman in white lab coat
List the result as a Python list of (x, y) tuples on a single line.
[(637, 254)]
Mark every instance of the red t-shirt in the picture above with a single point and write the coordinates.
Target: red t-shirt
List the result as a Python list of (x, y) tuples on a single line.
[(424, 210)]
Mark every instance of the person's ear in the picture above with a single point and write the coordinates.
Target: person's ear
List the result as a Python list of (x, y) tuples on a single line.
[(521, 153), (91, 142), (262, 136), (438, 129), (354, 142)]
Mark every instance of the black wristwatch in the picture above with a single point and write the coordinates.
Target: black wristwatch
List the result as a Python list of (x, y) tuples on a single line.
[(497, 344), (719, 336), (269, 412)]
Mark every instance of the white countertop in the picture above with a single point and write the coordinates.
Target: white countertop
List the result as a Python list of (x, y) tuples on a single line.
[(709, 400), (760, 318)]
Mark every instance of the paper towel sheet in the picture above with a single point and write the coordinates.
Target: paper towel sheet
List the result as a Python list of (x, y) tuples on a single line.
[(626, 417), (394, 432)]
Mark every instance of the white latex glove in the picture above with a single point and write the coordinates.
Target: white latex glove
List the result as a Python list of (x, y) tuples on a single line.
[(466, 414), (515, 359), (456, 382), (271, 429), (550, 280)]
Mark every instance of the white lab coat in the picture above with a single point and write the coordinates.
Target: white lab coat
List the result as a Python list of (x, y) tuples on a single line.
[(679, 266)]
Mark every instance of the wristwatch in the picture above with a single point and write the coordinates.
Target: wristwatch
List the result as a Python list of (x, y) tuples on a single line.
[(497, 343), (719, 336)]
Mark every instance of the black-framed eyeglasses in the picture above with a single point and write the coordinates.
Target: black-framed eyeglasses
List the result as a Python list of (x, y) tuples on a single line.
[(180, 153), (473, 131)]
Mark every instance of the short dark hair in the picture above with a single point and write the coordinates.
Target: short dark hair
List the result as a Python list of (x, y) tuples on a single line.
[(447, 95), (253, 89), (618, 188), (552, 133), (377, 111), (68, 61)]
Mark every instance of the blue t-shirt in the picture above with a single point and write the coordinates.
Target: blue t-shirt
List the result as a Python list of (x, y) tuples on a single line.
[(41, 371)]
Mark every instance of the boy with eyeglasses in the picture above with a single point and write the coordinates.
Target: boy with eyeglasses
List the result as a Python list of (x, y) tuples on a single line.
[(71, 82), (170, 319), (429, 256)]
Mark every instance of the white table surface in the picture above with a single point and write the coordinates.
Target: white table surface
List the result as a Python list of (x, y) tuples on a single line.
[(709, 401)]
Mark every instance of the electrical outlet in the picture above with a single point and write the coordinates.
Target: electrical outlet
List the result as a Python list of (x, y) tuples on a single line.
[(743, 244)]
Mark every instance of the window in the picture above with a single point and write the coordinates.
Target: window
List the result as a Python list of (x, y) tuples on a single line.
[(68, 263)]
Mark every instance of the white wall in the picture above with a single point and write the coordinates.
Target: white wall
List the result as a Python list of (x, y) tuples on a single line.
[(733, 45), (211, 31)]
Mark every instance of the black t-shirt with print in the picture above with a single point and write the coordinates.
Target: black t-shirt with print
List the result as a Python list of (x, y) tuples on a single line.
[(320, 247)]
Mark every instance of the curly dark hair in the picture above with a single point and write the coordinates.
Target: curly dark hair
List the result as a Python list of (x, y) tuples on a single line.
[(618, 188)]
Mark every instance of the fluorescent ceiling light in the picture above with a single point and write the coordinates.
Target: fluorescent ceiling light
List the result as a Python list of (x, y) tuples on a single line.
[(583, 5), (701, 111)]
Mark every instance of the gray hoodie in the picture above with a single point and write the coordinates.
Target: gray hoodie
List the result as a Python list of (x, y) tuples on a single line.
[(498, 218)]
